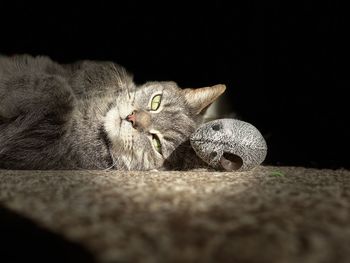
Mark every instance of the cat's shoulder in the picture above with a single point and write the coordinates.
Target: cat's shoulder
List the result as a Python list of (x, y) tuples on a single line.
[(27, 64)]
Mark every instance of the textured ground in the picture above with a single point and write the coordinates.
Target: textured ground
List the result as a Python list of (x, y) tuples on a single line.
[(301, 215)]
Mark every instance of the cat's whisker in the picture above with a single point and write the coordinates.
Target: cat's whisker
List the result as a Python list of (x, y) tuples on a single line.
[(128, 92), (117, 75), (131, 155), (114, 162), (119, 160), (143, 158), (131, 149), (121, 75), (133, 99), (128, 163), (150, 162), (131, 142)]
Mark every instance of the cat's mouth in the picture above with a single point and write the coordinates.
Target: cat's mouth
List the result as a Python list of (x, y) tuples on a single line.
[(125, 122), (122, 122), (118, 121)]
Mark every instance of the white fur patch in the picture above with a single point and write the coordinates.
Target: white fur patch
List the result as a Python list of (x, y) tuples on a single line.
[(119, 130)]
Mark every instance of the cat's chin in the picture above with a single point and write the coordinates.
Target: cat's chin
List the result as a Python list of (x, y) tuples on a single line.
[(118, 129)]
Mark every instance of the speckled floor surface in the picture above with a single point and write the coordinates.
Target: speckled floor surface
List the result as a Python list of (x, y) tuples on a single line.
[(270, 214)]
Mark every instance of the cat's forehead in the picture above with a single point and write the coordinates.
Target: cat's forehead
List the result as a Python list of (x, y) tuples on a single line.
[(161, 86)]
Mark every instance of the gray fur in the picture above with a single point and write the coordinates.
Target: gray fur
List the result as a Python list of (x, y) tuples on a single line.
[(219, 142), (73, 116)]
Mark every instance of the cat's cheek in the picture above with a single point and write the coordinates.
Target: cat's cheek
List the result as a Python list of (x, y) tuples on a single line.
[(112, 122), (125, 107), (126, 135), (112, 132), (158, 162)]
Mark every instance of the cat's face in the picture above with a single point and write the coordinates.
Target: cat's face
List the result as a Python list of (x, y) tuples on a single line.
[(147, 124)]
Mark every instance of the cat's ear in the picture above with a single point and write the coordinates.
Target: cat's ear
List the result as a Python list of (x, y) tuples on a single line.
[(200, 99)]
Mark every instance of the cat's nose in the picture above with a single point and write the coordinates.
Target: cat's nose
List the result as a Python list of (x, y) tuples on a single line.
[(131, 118), (140, 120)]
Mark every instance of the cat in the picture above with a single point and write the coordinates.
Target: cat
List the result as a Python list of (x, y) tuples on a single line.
[(91, 115)]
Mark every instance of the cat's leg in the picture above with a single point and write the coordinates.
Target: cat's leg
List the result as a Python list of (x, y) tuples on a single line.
[(35, 111), (41, 94)]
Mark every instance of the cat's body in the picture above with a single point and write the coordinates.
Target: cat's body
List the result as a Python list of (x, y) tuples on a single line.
[(91, 115)]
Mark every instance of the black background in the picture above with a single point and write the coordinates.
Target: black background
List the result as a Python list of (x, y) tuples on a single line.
[(282, 64)]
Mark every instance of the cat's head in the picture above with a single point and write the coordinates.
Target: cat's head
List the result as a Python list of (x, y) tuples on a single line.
[(148, 124)]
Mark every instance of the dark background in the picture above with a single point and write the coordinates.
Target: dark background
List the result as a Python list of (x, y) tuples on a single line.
[(282, 64)]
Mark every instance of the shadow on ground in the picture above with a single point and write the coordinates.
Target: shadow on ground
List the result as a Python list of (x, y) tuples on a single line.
[(21, 240)]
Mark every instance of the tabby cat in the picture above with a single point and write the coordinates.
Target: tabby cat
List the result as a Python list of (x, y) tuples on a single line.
[(91, 115)]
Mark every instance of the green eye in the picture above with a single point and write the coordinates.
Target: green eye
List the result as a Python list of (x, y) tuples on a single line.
[(155, 103), (156, 143)]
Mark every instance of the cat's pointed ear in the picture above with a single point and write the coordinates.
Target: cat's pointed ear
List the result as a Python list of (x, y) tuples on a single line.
[(200, 99)]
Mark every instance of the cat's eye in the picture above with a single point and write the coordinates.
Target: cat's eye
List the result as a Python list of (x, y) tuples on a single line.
[(155, 103), (156, 143)]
